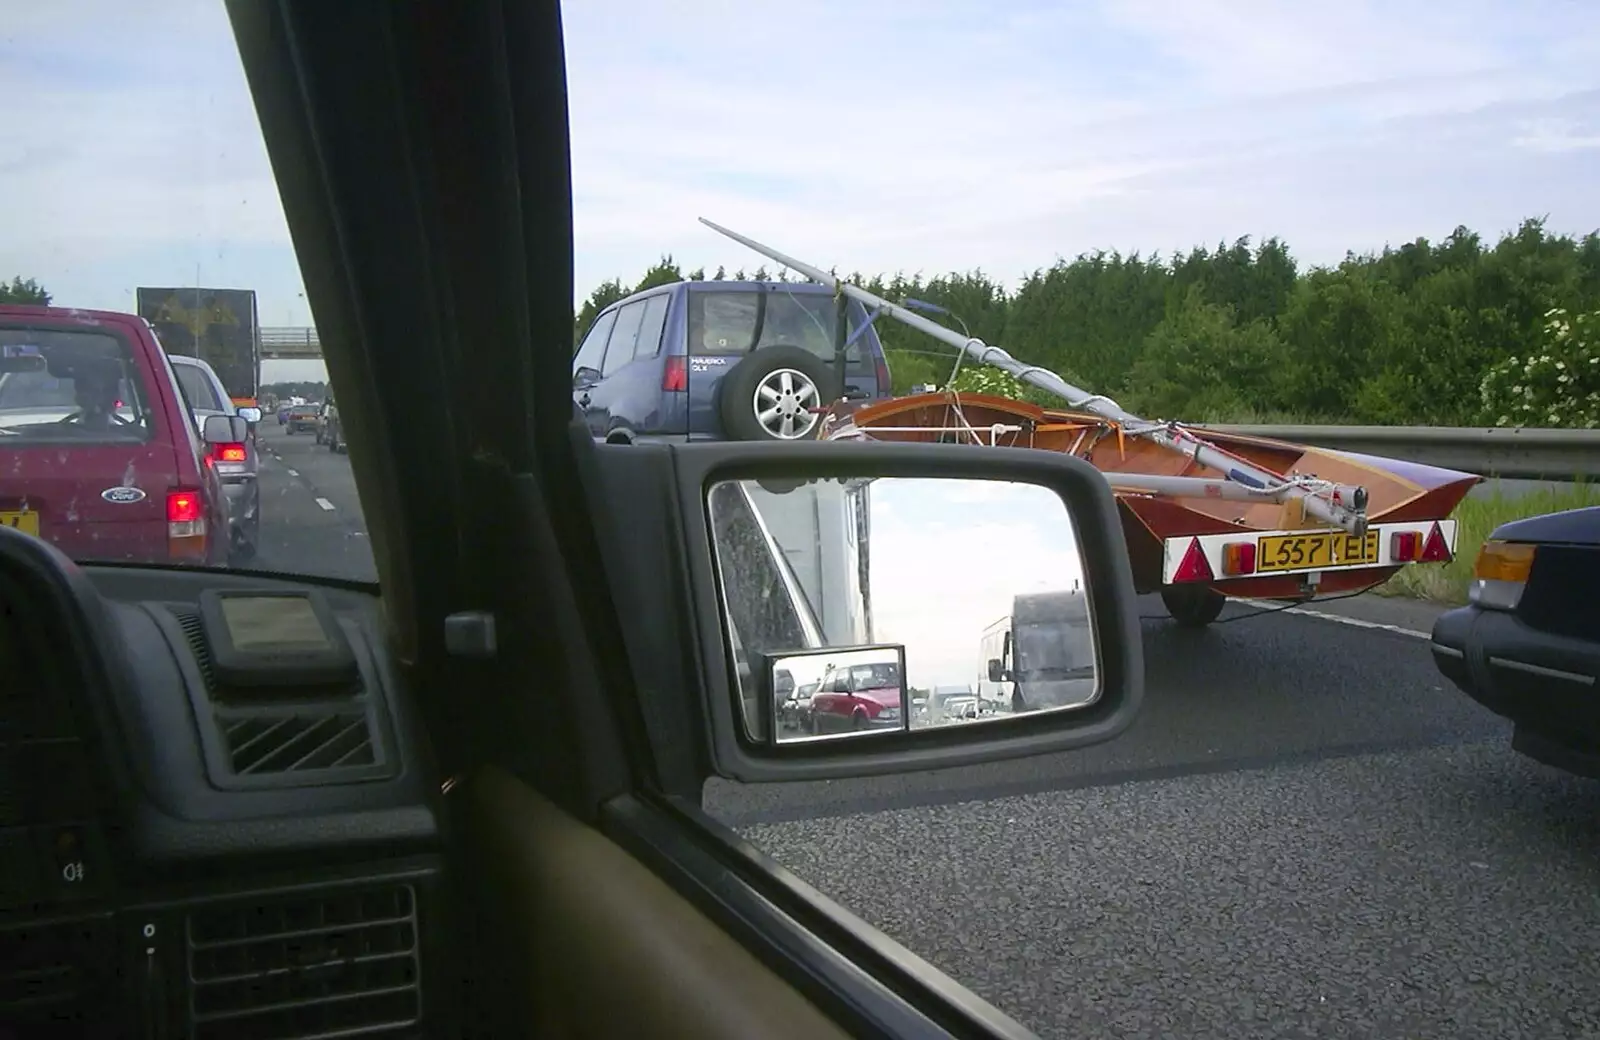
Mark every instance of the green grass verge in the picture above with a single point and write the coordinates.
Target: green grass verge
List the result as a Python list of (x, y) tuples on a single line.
[(1476, 518)]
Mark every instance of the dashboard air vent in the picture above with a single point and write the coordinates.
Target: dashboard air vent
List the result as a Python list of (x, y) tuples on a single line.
[(194, 631), (330, 964), (292, 737), (51, 974), (296, 740)]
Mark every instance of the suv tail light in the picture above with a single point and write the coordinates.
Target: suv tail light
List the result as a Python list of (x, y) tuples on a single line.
[(675, 374), (186, 525)]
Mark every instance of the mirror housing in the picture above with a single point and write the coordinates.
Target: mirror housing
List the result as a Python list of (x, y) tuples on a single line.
[(756, 757), (585, 377), (996, 673), (250, 414), (225, 429)]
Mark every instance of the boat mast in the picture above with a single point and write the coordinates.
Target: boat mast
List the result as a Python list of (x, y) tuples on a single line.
[(1343, 505)]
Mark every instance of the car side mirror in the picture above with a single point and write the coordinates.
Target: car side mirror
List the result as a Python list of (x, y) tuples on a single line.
[(585, 376), (225, 429), (837, 568), (996, 673), (250, 415)]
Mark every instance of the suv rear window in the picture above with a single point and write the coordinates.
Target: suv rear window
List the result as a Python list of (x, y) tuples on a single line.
[(724, 322), (70, 386)]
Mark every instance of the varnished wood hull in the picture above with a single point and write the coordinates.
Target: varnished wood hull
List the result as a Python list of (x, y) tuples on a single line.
[(1396, 490)]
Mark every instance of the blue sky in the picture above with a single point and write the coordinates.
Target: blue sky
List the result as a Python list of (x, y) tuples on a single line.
[(864, 135)]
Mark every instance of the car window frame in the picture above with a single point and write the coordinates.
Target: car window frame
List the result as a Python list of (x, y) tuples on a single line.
[(624, 355), (381, 285), (607, 319), (656, 339)]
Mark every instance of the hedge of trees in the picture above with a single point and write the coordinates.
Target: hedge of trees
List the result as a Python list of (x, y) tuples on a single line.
[(1448, 333)]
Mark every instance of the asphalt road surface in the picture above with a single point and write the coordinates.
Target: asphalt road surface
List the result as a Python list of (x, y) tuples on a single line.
[(311, 521), (1306, 834)]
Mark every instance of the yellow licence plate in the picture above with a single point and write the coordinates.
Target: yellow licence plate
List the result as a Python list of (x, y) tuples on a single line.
[(28, 523), (1288, 552)]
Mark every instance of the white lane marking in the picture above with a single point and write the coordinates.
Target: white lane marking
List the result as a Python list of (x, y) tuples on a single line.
[(1337, 618), (325, 504), (294, 473)]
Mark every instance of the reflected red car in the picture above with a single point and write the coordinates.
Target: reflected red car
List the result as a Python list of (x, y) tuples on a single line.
[(863, 696), (98, 453)]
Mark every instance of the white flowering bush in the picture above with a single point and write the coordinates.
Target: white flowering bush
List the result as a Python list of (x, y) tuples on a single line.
[(1560, 386), (981, 379)]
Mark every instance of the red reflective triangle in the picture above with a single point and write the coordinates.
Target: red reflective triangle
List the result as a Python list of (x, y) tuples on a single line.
[(1194, 566), (1435, 549)]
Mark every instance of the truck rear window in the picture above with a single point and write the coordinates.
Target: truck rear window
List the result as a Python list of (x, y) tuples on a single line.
[(723, 322), (70, 386)]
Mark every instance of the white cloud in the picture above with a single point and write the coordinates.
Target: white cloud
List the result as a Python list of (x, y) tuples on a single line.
[(948, 556), (1555, 135), (138, 158)]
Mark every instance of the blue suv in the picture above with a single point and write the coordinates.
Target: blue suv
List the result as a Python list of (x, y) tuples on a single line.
[(711, 360)]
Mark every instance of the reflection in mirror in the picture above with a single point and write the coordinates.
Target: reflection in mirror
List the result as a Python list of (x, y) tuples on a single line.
[(825, 693), (979, 581)]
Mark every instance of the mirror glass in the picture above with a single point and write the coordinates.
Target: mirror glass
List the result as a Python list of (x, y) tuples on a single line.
[(976, 584), (823, 693)]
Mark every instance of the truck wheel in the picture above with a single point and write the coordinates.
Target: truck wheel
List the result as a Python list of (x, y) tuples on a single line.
[(768, 395), (1193, 606)]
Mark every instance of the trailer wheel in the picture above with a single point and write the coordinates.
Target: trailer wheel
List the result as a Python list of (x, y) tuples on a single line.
[(768, 395), (1193, 606)]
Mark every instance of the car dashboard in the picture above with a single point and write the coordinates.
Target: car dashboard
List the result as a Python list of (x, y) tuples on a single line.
[(189, 849)]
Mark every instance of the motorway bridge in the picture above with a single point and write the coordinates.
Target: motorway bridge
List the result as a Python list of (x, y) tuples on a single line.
[(290, 343)]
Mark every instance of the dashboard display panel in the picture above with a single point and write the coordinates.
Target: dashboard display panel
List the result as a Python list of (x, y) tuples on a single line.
[(275, 639)]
